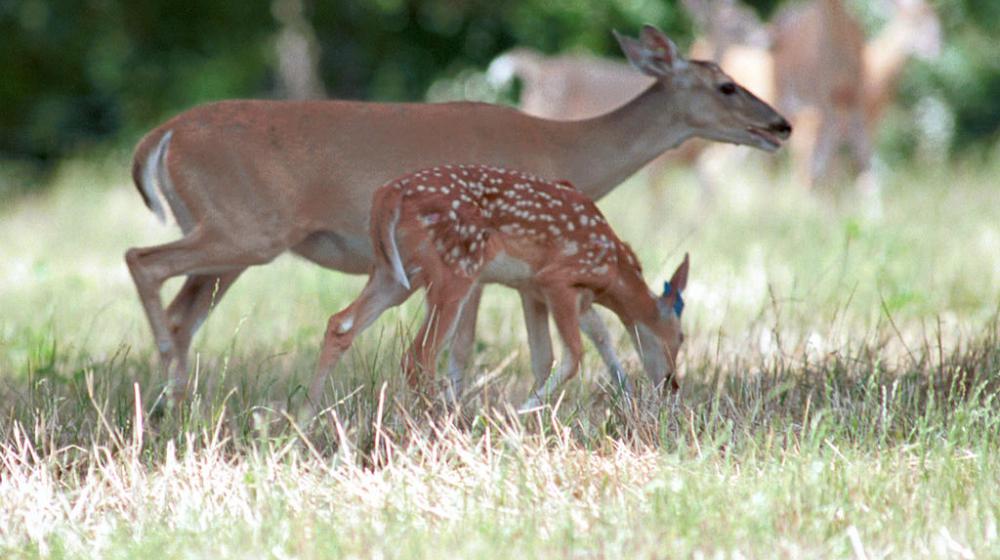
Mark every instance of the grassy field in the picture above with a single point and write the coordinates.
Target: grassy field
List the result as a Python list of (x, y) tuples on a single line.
[(839, 395)]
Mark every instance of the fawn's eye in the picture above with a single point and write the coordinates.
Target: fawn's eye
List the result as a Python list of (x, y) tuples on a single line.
[(728, 88)]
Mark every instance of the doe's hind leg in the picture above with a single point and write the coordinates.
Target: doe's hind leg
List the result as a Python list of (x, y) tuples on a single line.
[(191, 306), (201, 252)]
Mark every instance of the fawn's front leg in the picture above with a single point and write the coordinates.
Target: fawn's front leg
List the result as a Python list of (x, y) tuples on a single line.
[(536, 320), (595, 330)]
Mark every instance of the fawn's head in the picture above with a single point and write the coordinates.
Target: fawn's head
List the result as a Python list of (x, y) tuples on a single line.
[(660, 340), (710, 102)]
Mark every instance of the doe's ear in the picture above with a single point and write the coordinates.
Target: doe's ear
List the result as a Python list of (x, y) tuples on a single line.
[(653, 54), (658, 42)]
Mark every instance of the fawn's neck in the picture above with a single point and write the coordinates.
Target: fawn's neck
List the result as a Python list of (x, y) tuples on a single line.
[(630, 299)]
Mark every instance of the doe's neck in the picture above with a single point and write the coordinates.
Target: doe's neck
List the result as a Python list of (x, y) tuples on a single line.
[(598, 154)]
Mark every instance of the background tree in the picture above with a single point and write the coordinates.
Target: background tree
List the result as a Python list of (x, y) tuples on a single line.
[(79, 73)]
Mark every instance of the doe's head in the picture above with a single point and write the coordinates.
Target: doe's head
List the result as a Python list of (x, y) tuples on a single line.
[(713, 105)]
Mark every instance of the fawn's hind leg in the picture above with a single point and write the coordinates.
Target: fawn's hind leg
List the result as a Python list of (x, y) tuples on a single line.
[(444, 304), (380, 293)]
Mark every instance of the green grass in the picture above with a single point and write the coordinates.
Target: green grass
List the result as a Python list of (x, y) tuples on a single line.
[(840, 395)]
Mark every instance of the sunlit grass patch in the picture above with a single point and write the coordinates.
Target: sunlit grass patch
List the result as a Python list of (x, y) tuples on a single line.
[(839, 396)]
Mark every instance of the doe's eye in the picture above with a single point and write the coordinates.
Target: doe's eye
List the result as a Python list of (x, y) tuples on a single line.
[(728, 88)]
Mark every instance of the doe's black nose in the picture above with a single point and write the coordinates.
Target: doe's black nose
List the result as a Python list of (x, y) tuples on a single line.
[(782, 127)]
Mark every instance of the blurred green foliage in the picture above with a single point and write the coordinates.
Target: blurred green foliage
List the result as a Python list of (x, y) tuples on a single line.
[(80, 72)]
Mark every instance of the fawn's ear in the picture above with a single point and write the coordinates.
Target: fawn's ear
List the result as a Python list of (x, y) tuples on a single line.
[(653, 54), (670, 302), (672, 298), (680, 278)]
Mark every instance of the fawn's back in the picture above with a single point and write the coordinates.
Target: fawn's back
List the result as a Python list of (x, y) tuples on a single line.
[(496, 225)]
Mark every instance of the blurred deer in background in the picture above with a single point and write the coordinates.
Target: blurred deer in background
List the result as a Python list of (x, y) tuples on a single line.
[(819, 77), (580, 86), (722, 25), (813, 63), (914, 30), (837, 85), (452, 228), (249, 180), (567, 87)]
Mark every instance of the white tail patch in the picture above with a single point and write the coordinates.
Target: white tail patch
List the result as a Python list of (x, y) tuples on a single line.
[(501, 71), (149, 176), (397, 263)]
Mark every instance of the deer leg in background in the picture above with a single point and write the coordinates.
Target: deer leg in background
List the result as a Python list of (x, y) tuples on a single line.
[(826, 166), (802, 145), (867, 183)]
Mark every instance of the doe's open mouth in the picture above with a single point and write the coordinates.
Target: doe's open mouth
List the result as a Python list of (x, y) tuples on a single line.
[(770, 139)]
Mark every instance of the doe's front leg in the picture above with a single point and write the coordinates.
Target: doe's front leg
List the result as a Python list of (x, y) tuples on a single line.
[(564, 303), (536, 324), (463, 343)]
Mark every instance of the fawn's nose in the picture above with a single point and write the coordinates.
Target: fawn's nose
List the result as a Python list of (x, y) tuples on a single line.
[(782, 128)]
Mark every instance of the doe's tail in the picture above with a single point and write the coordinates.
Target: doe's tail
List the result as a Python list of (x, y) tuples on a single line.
[(148, 173)]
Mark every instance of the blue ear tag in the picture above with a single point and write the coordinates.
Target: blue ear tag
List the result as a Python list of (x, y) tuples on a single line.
[(678, 300)]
